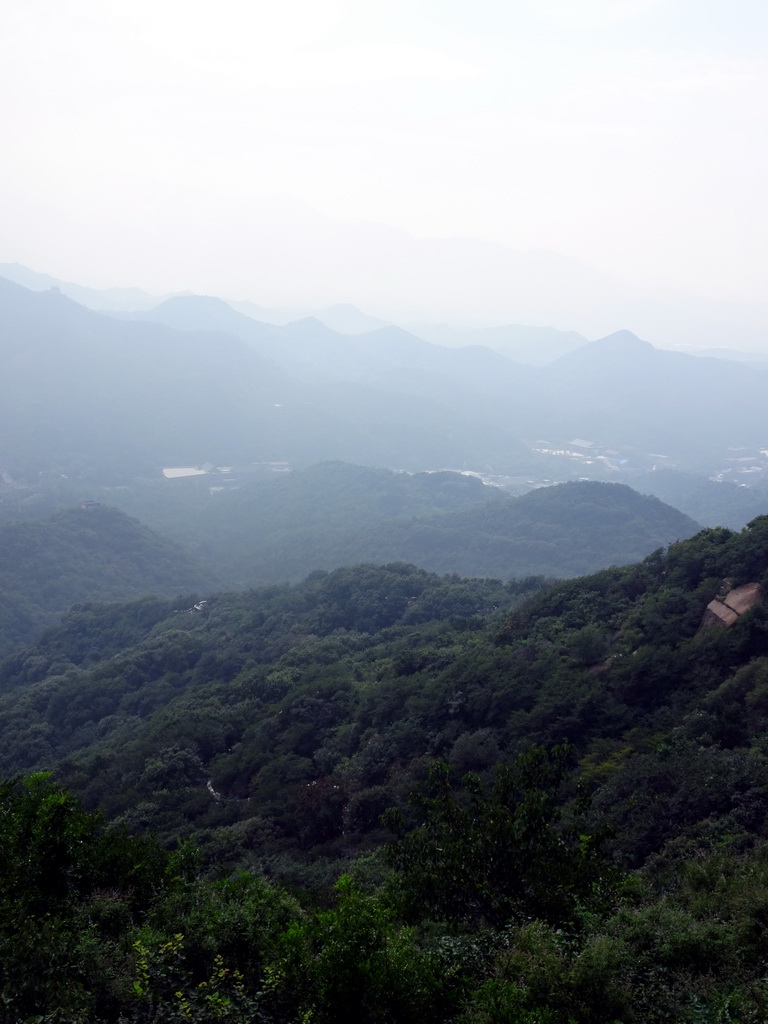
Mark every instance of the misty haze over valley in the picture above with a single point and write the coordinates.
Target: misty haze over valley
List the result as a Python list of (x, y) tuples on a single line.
[(269, 444)]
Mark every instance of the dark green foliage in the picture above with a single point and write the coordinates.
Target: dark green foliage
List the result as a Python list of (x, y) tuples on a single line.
[(354, 963), (64, 880), (310, 708), (83, 554), (279, 725), (501, 855)]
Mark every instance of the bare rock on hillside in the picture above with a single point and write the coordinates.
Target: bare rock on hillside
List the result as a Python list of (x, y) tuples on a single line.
[(731, 603)]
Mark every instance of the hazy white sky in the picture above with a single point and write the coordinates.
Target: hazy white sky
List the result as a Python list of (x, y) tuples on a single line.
[(150, 143)]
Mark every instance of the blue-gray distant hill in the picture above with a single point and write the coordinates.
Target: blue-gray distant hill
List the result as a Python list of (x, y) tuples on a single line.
[(618, 391), (104, 399), (623, 390), (94, 298), (87, 395), (92, 396), (385, 356), (709, 502), (535, 346)]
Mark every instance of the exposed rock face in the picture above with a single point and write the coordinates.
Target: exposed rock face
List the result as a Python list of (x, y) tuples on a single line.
[(730, 603)]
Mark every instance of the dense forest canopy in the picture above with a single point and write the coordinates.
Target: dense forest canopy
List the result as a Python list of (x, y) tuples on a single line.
[(618, 877)]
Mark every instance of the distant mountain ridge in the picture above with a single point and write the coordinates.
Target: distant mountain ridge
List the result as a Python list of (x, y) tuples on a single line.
[(535, 346), (526, 344), (614, 348), (83, 392), (93, 298)]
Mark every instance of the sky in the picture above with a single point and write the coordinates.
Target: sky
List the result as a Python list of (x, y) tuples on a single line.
[(174, 145)]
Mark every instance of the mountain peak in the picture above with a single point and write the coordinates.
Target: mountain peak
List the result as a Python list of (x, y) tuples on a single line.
[(348, 319), (198, 302), (617, 346), (626, 339)]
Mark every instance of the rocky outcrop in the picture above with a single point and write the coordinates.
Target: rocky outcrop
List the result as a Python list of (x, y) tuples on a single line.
[(731, 603)]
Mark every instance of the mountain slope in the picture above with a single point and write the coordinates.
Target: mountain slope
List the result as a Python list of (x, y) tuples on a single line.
[(313, 707), (385, 355), (535, 346), (95, 396), (627, 393), (618, 390), (709, 502), (566, 530), (334, 515), (81, 391), (94, 298), (280, 724), (84, 554)]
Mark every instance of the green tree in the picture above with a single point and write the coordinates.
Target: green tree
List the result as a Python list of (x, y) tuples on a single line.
[(498, 855), (66, 883), (355, 965)]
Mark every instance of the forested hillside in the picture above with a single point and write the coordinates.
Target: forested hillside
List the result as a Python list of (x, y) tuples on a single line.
[(565, 530), (335, 514), (618, 878), (327, 516), (91, 553), (349, 680)]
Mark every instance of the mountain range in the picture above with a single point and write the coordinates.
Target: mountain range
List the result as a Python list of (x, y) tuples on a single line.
[(88, 393), (463, 283)]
